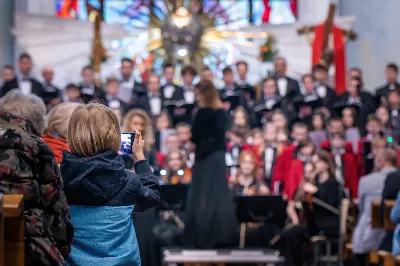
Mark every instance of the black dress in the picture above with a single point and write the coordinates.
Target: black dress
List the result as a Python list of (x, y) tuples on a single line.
[(210, 219)]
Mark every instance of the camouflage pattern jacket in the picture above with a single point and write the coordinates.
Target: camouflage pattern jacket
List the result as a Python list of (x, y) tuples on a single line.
[(28, 167)]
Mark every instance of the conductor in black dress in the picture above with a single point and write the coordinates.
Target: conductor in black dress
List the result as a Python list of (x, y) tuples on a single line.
[(210, 217)]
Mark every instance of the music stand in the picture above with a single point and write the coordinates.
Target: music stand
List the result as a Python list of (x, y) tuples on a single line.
[(259, 209), (173, 197)]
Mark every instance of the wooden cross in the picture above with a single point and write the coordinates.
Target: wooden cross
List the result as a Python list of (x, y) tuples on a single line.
[(327, 54)]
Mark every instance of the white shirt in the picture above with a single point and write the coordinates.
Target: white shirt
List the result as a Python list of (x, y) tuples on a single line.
[(25, 86), (189, 96), (155, 105), (169, 91), (282, 86), (269, 156), (321, 91), (339, 169), (88, 89), (126, 89)]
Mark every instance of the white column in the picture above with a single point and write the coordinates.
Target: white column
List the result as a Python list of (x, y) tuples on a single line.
[(6, 39)]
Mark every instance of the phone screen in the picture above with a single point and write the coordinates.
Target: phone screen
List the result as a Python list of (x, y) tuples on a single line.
[(127, 140)]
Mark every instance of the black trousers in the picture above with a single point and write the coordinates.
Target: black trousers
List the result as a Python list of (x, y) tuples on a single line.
[(292, 244), (360, 259)]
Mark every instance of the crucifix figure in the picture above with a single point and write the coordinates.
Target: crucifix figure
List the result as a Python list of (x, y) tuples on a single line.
[(324, 54)]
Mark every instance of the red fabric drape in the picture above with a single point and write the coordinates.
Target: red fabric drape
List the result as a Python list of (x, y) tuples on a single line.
[(293, 7), (267, 12), (339, 54)]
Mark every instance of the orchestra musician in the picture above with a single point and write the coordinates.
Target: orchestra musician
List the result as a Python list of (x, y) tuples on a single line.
[(175, 171), (324, 187)]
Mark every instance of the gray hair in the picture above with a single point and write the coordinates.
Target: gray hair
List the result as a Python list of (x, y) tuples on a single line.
[(30, 107)]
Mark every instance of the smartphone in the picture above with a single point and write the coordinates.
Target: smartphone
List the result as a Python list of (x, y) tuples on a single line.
[(127, 139)]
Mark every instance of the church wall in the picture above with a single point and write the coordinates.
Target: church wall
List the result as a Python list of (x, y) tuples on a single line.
[(6, 39), (377, 24)]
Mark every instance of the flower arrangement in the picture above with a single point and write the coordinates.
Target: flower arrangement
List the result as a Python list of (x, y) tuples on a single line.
[(268, 51)]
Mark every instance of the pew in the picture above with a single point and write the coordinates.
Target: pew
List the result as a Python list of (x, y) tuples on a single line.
[(14, 230), (377, 221)]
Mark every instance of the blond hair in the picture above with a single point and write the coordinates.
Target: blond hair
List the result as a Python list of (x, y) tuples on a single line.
[(93, 129), (58, 118), (147, 133), (210, 95)]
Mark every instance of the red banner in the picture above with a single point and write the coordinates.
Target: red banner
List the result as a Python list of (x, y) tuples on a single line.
[(339, 55)]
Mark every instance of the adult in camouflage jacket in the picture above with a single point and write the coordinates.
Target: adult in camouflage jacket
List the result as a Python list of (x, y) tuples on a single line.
[(28, 167)]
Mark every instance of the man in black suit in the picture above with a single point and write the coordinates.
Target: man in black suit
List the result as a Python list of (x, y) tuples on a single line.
[(90, 92), (324, 91), (249, 90), (169, 87), (153, 101), (52, 95), (8, 73), (392, 73), (112, 91), (24, 82), (130, 89), (287, 87), (232, 95)]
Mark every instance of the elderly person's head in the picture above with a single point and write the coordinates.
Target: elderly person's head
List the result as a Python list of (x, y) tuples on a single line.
[(58, 119), (93, 129), (28, 106)]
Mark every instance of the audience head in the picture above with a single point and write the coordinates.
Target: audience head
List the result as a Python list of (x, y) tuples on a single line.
[(335, 126), (318, 121), (240, 117), (207, 96), (29, 107), (25, 64), (58, 119), (305, 149), (73, 92), (163, 121), (237, 135), (377, 145), (280, 120), (172, 142), (270, 133), (242, 67), (270, 88), (112, 87), (320, 73), (188, 74), (8, 73), (308, 83), (394, 98), (354, 87), (258, 138), (248, 164), (382, 113), (299, 132), (228, 76), (282, 137), (174, 161), (374, 126), (280, 66), (153, 84), (386, 157), (48, 74), (349, 117), (324, 163), (392, 72), (138, 119), (338, 142), (169, 72), (88, 75), (93, 129), (127, 66), (207, 74), (184, 132), (356, 72)]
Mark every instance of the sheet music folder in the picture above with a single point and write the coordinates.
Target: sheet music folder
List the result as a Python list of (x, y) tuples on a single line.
[(261, 209), (173, 197)]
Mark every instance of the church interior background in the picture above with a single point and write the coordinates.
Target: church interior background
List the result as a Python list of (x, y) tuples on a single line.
[(60, 33)]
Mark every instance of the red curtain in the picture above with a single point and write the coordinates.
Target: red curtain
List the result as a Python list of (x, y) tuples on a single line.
[(339, 54), (293, 7), (267, 12)]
